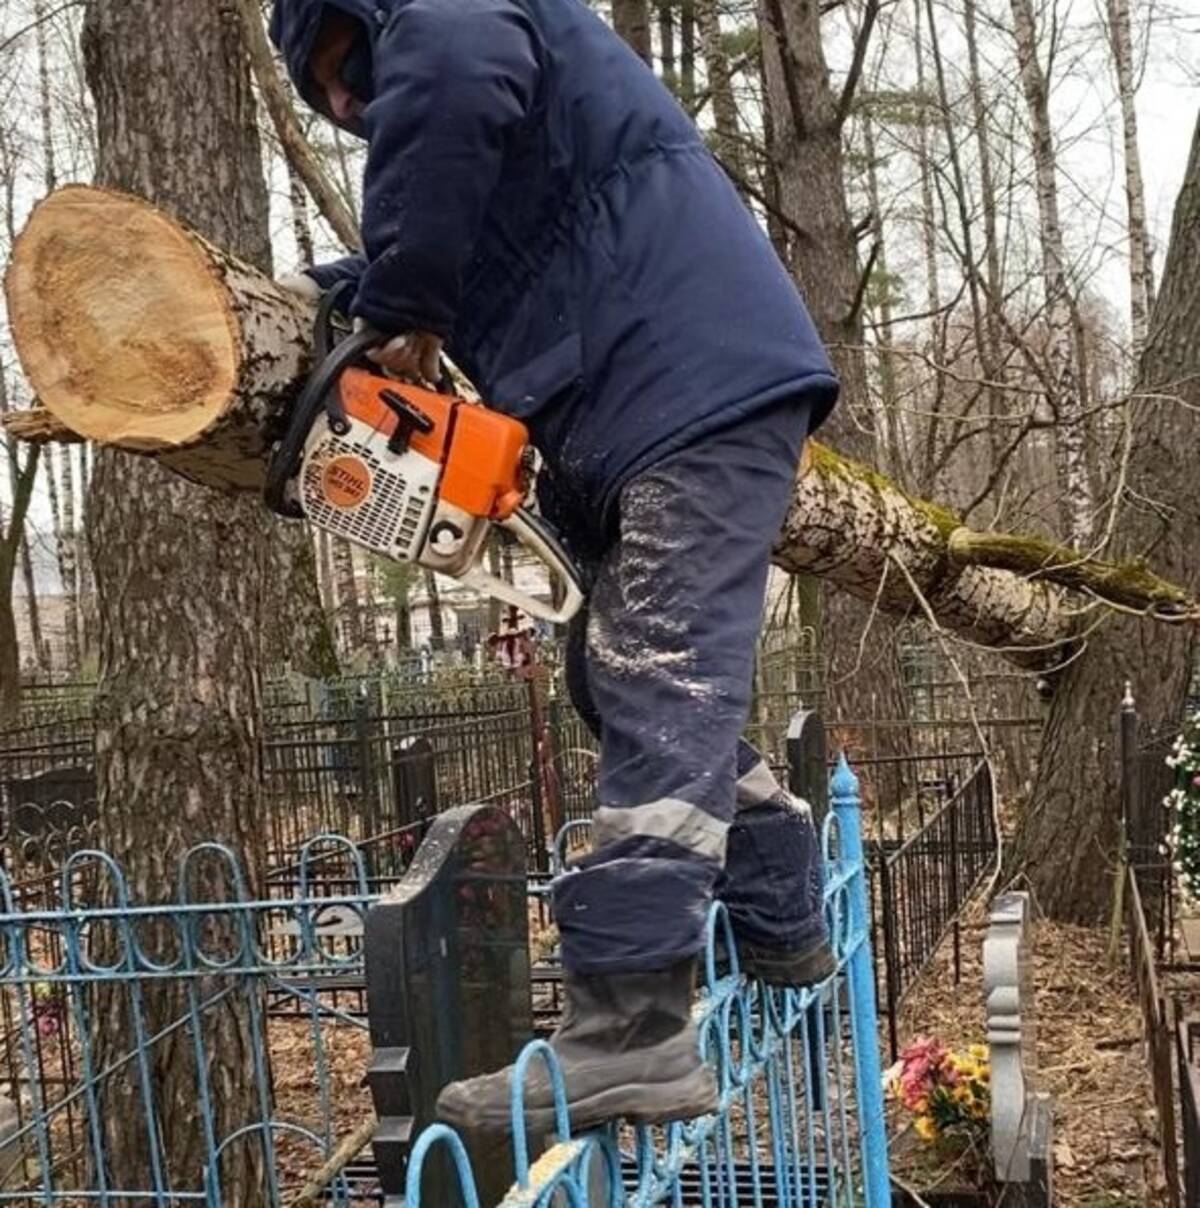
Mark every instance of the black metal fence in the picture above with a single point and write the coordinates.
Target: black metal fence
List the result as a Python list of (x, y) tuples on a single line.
[(921, 884), (1146, 779), (1156, 1033), (363, 774), (1187, 1068)]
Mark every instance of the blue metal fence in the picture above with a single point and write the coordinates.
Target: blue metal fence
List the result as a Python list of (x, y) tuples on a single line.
[(801, 1119), (119, 1018)]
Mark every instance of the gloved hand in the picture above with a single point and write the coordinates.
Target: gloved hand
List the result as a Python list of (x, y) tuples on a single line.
[(302, 285), (414, 353)]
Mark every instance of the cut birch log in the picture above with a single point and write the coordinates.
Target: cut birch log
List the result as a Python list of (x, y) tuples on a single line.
[(136, 332)]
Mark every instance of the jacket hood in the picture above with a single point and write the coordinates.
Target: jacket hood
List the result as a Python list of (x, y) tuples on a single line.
[(294, 28)]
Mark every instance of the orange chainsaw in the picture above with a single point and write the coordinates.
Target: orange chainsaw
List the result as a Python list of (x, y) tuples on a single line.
[(410, 474)]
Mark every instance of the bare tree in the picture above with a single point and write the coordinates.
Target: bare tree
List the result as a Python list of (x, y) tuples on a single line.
[(180, 575), (631, 19), (1068, 838), (1064, 393), (1141, 271)]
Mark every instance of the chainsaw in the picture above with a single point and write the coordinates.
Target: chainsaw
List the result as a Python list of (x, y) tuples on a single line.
[(410, 474)]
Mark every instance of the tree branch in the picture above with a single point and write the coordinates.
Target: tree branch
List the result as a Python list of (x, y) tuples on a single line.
[(864, 279), (295, 146), (27, 29), (856, 63), (787, 65)]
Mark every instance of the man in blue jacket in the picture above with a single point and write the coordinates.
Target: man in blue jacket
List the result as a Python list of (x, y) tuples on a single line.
[(538, 204)]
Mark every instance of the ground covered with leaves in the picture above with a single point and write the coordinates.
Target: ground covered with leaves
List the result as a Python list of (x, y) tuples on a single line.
[(1089, 1045)]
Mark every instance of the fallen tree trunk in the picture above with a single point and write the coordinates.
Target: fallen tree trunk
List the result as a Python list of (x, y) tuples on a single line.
[(137, 332)]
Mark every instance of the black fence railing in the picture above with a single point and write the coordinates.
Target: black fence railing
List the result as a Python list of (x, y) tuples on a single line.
[(1156, 1033), (1187, 1068), (1146, 779), (921, 884), (363, 775)]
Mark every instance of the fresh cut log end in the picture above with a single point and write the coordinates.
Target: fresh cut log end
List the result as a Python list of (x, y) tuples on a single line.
[(124, 329)]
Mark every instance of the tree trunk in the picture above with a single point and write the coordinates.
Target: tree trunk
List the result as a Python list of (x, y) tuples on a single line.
[(1065, 396), (68, 563), (806, 117), (889, 448), (84, 578), (32, 608), (1141, 271), (325, 572), (10, 540), (687, 54), (52, 454), (926, 143), (301, 227), (296, 632), (631, 19), (31, 599), (728, 145), (666, 46), (347, 596), (179, 570), (993, 362), (228, 351), (848, 523), (49, 166), (433, 602), (1068, 839)]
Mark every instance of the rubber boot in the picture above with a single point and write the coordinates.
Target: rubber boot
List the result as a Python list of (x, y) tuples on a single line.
[(798, 967), (627, 1047)]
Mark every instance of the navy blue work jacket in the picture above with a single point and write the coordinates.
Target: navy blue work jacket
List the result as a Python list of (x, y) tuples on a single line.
[(537, 197)]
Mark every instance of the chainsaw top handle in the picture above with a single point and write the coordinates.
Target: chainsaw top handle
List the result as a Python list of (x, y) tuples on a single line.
[(319, 394)]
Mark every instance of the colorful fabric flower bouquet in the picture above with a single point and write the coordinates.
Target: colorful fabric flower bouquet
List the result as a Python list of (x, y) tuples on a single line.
[(948, 1093)]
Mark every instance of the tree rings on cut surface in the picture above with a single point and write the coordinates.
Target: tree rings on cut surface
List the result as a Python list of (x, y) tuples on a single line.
[(136, 332), (124, 329)]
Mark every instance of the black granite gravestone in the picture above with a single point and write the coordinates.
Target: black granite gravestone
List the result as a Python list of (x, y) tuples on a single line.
[(447, 961), (808, 766)]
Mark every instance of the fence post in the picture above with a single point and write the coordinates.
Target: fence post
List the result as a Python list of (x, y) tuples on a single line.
[(891, 961), (863, 1019), (954, 890), (1129, 729)]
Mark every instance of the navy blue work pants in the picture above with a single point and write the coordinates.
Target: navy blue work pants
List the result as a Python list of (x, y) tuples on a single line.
[(661, 667)]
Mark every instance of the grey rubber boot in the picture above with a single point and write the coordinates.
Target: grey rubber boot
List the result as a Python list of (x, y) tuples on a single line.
[(627, 1047)]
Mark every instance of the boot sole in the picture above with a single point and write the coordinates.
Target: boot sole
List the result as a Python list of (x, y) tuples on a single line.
[(657, 1103)]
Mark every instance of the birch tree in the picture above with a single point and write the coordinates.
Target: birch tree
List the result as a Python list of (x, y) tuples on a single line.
[(1064, 389), (1141, 272)]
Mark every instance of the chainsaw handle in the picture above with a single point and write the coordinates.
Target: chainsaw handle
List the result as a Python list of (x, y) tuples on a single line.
[(319, 393), (541, 542)]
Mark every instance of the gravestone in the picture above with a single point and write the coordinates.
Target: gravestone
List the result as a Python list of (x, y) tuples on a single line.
[(1021, 1116), (447, 963), (808, 762), (414, 780)]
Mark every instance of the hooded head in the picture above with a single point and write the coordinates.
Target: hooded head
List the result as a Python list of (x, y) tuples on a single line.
[(298, 28)]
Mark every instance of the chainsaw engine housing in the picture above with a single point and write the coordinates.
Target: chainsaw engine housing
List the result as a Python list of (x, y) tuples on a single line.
[(411, 474)]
